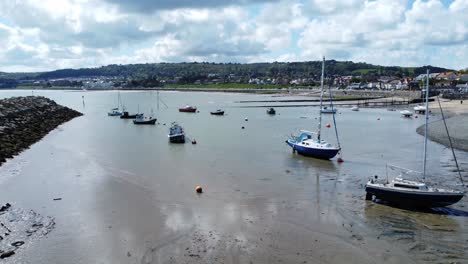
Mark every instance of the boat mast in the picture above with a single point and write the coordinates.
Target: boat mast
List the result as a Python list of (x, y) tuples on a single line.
[(321, 98), (425, 127)]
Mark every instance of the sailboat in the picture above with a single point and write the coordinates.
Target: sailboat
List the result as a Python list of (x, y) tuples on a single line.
[(116, 111), (413, 193), (305, 144)]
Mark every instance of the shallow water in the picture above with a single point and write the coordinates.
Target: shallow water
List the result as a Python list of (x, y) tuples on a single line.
[(128, 195)]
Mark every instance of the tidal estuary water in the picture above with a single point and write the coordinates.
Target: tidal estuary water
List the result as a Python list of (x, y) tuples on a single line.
[(128, 195)]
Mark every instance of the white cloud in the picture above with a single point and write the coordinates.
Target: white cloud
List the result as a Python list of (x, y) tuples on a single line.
[(50, 34)]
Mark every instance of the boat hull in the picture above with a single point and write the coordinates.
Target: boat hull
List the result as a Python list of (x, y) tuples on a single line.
[(187, 110), (313, 152), (145, 122), (177, 138), (217, 113), (414, 198)]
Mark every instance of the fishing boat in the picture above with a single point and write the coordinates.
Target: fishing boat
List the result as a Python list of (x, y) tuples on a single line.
[(406, 113), (176, 133), (271, 111), (126, 115), (217, 112), (326, 110), (414, 193), (116, 111), (355, 108), (420, 109), (188, 109), (141, 119), (310, 143)]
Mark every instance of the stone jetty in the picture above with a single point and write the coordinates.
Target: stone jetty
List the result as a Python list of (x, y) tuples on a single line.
[(25, 120)]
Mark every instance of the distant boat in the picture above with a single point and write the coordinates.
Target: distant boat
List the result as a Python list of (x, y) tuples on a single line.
[(413, 193), (126, 115), (391, 109), (326, 110), (271, 111), (421, 109), (217, 112), (176, 133), (188, 109), (116, 111), (355, 108), (141, 119), (305, 144), (406, 113)]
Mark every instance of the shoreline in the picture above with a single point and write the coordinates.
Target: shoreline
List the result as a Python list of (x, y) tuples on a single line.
[(456, 117)]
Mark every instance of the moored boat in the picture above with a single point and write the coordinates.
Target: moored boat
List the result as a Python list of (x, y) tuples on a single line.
[(141, 119), (188, 109), (406, 113), (310, 143), (114, 112), (126, 115), (355, 108), (217, 112), (420, 109), (326, 110), (410, 192), (271, 111), (176, 133)]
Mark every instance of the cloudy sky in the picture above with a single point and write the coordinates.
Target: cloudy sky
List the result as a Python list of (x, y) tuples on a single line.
[(38, 35)]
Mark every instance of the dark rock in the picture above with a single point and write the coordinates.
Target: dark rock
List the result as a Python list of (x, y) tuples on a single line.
[(25, 120), (7, 254)]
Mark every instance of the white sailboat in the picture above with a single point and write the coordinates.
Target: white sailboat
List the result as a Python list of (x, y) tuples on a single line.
[(413, 193)]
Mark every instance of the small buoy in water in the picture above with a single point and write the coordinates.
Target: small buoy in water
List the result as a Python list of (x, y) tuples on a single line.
[(199, 189), (243, 127), (246, 119), (378, 118), (415, 116), (198, 111), (194, 142), (340, 160), (328, 125)]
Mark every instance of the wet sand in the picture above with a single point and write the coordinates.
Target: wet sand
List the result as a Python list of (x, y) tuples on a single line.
[(128, 196), (456, 115)]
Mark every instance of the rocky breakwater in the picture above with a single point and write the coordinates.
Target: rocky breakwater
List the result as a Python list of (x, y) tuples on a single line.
[(25, 120)]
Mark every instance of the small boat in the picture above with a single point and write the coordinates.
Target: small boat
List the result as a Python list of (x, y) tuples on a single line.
[(414, 193), (271, 111), (114, 112), (411, 193), (188, 109), (217, 112), (176, 133), (126, 115), (391, 109), (306, 145), (310, 143), (406, 113), (420, 109), (326, 110), (355, 108), (141, 119)]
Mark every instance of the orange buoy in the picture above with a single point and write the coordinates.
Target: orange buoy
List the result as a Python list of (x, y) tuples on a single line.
[(328, 125), (199, 189), (340, 160)]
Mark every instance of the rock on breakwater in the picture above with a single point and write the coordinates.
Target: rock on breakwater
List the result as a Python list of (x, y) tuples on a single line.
[(25, 120)]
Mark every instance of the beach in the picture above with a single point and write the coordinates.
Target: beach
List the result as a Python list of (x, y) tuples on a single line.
[(105, 191), (456, 115)]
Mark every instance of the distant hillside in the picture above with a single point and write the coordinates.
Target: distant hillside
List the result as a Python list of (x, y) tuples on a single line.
[(194, 70)]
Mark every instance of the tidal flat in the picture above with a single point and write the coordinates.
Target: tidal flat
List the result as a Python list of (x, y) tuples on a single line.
[(128, 196)]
